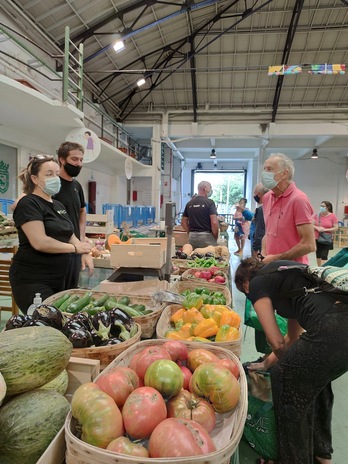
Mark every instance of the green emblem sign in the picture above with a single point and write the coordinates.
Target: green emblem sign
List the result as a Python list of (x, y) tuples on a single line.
[(4, 177)]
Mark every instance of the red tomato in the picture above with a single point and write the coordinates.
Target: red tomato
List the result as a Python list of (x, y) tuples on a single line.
[(180, 437), (187, 376), (231, 366), (125, 446), (217, 384), (143, 410), (199, 356), (189, 406), (118, 383), (98, 414), (141, 361), (177, 350), (166, 376)]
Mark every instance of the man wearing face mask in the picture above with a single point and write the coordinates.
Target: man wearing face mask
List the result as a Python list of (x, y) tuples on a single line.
[(70, 158), (200, 218), (258, 220), (287, 213)]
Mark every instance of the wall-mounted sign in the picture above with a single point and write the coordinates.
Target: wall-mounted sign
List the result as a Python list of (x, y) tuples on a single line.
[(89, 140)]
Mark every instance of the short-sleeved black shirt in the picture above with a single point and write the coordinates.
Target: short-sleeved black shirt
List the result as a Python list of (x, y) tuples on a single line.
[(57, 225), (198, 211), (305, 309), (72, 197)]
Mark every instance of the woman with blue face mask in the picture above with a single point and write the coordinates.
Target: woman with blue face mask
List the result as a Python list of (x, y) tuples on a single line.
[(45, 234), (325, 222)]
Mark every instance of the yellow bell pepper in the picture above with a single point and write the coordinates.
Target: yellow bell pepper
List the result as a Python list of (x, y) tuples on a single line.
[(185, 330), (206, 328), (177, 315), (217, 317), (200, 339), (207, 310), (174, 335), (192, 315), (230, 318), (226, 333)]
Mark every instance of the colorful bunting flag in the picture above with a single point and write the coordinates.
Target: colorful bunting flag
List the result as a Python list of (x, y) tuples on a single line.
[(327, 69), (284, 69)]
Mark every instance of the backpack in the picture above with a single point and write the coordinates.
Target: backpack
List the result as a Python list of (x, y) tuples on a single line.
[(329, 279)]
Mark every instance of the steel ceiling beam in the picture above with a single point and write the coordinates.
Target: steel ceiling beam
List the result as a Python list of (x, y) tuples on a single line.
[(286, 53)]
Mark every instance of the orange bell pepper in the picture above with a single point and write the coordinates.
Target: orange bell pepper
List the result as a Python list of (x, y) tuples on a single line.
[(192, 315), (185, 330), (226, 333), (206, 328), (177, 315), (231, 318)]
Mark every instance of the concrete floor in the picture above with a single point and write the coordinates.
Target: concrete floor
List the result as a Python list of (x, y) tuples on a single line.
[(249, 353), (340, 386)]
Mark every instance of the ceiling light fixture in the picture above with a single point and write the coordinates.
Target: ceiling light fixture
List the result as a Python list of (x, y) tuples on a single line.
[(119, 44), (141, 82), (315, 154), (213, 154)]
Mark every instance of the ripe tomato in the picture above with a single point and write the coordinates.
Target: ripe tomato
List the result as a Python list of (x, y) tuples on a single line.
[(166, 376), (125, 446), (180, 437), (98, 414), (177, 350), (217, 384), (141, 361), (118, 383), (231, 366), (143, 410), (199, 356), (187, 376), (189, 406)]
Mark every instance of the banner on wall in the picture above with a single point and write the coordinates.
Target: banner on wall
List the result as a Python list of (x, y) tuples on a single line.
[(89, 140), (283, 69)]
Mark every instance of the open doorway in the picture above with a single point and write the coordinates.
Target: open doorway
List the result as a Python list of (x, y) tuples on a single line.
[(228, 187)]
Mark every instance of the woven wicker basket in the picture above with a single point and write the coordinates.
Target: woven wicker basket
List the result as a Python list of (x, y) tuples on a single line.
[(189, 275), (163, 325), (79, 452), (147, 322), (181, 286)]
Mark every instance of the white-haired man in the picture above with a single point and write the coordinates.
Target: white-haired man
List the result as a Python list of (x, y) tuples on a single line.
[(200, 218)]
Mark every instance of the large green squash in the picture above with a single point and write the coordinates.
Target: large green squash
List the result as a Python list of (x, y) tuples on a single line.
[(32, 356), (28, 424), (58, 384)]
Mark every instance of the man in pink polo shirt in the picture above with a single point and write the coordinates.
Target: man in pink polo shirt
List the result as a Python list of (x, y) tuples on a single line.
[(287, 212)]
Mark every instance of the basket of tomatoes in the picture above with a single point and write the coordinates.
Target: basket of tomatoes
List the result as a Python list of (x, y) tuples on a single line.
[(180, 417)]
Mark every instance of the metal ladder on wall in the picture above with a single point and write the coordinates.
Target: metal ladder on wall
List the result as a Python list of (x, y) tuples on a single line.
[(73, 72)]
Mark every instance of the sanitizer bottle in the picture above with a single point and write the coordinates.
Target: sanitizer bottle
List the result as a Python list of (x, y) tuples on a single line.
[(36, 302)]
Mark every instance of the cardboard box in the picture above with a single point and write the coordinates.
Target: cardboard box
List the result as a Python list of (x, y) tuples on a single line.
[(140, 288), (101, 262), (143, 252), (80, 371), (181, 237)]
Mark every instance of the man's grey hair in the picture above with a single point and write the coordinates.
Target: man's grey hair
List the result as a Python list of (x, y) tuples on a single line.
[(284, 162), (260, 188), (204, 185)]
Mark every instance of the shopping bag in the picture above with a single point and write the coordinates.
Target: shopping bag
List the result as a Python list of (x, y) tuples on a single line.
[(251, 319), (260, 427)]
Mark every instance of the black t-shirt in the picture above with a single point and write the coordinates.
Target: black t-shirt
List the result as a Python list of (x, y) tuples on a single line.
[(305, 309), (198, 211), (72, 197), (57, 225)]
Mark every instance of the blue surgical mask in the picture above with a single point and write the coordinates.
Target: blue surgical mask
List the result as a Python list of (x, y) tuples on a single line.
[(52, 186), (323, 209), (267, 179)]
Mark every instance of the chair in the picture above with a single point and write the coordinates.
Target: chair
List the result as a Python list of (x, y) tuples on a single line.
[(5, 286)]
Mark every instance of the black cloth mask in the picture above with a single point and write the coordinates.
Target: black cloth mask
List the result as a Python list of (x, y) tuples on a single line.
[(257, 198), (71, 170)]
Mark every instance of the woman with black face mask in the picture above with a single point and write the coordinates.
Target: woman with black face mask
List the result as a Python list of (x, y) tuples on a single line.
[(70, 158)]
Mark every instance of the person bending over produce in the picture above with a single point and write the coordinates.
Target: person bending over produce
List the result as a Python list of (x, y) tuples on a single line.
[(304, 362), (45, 233)]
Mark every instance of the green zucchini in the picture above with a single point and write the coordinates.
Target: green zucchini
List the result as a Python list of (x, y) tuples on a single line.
[(128, 310), (73, 297), (110, 303), (102, 300), (139, 307), (79, 304), (28, 424), (125, 300), (32, 356), (58, 303)]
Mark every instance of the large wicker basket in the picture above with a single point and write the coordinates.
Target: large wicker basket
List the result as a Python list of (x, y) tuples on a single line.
[(181, 286), (79, 452), (163, 325), (189, 275), (147, 322)]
